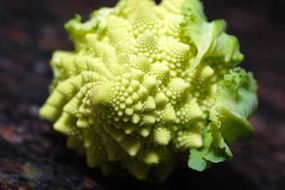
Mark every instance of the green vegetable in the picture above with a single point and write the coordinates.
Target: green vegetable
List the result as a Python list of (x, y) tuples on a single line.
[(147, 83)]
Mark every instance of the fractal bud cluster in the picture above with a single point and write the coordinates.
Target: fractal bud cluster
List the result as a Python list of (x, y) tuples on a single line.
[(148, 83)]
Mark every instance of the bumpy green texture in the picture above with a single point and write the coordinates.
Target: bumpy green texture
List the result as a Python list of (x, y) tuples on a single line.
[(147, 83)]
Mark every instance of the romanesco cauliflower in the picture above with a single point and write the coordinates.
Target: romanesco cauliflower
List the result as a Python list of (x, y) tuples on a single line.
[(147, 83)]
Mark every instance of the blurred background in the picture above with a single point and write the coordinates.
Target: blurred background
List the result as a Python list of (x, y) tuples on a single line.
[(33, 156)]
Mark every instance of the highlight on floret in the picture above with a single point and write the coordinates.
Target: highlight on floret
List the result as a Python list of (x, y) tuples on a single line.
[(147, 83)]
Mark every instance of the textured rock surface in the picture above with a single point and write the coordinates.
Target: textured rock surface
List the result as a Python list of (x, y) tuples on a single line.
[(34, 157)]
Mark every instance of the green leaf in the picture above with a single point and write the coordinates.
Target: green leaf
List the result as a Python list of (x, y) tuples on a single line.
[(209, 38), (210, 152), (235, 101), (226, 49), (196, 161), (203, 36)]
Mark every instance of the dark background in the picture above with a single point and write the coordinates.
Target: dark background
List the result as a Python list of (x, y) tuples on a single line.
[(33, 156)]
